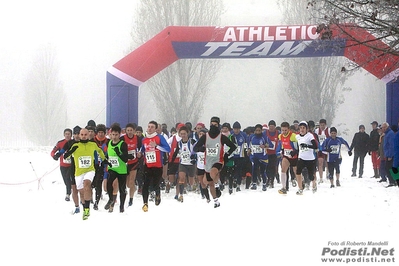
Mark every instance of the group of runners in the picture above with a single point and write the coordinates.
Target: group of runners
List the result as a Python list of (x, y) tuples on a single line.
[(119, 160)]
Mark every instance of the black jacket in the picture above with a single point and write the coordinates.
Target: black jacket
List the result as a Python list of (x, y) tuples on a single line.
[(374, 140), (360, 142)]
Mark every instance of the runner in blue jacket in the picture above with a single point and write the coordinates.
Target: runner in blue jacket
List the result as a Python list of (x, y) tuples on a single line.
[(332, 145)]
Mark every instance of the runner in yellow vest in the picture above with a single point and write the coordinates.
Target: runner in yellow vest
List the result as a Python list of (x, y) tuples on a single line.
[(83, 156)]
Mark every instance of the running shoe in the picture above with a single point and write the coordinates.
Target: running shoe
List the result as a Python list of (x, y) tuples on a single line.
[(86, 213), (282, 191)]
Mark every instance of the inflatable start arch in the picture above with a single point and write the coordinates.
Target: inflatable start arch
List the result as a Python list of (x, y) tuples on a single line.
[(173, 43)]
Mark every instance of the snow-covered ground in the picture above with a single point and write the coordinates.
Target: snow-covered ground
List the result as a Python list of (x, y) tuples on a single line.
[(250, 227)]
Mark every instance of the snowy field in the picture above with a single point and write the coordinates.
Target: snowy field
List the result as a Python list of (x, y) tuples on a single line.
[(250, 227)]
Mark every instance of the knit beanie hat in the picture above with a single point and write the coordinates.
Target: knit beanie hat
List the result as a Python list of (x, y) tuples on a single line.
[(76, 130), (215, 119), (237, 125)]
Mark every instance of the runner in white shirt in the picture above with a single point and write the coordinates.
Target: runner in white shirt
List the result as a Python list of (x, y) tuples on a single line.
[(323, 132), (306, 157), (186, 167)]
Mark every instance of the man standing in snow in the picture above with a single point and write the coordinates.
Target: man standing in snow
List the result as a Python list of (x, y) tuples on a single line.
[(360, 145), (388, 148), (395, 165), (373, 148)]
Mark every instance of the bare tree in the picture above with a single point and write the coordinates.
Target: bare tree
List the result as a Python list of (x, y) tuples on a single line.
[(314, 86), (180, 90), (378, 17), (375, 99), (45, 113)]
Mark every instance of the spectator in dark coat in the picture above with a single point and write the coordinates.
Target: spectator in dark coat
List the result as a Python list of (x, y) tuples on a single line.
[(360, 146), (383, 172), (388, 151), (395, 166), (373, 148)]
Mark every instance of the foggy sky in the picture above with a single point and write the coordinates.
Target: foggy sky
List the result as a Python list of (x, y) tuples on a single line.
[(90, 36)]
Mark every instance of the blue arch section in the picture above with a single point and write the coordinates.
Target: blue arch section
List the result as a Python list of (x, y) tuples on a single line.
[(392, 107), (124, 98), (180, 42)]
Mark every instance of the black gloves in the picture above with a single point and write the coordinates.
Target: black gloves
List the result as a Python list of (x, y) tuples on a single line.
[(395, 170), (105, 162), (350, 153), (56, 156), (328, 150), (293, 153), (193, 158), (201, 149), (304, 145), (68, 153)]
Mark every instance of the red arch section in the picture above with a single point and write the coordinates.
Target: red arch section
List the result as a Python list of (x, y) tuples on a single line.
[(370, 54), (175, 42)]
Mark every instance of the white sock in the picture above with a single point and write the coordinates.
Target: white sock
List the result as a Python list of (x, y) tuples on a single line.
[(283, 179)]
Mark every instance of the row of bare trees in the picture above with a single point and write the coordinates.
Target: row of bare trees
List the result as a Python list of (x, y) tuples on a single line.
[(315, 86), (180, 90), (45, 114)]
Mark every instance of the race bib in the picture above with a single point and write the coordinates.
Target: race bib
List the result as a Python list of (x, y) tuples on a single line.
[(133, 152), (114, 161), (274, 146), (257, 149), (322, 138), (185, 158), (334, 149), (287, 152), (237, 151), (67, 161), (303, 148), (150, 157), (201, 158), (84, 161), (212, 152)]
